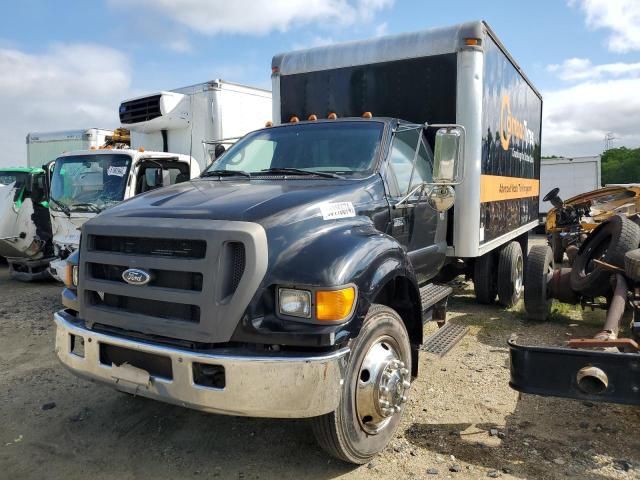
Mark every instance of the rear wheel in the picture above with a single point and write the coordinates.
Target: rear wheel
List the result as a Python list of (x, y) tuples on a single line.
[(375, 390), (537, 301), (510, 274), (484, 279)]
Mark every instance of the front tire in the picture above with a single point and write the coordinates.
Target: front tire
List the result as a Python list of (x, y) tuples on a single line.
[(375, 390)]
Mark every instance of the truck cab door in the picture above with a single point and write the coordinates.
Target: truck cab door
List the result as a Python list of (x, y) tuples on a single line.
[(418, 227)]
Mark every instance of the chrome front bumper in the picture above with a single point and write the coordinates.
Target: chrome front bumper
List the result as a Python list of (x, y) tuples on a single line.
[(256, 386)]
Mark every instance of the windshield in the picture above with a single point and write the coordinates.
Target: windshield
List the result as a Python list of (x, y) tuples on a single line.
[(9, 177), (89, 182), (343, 148)]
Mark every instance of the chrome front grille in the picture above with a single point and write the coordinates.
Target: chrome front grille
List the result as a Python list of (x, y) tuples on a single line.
[(203, 275)]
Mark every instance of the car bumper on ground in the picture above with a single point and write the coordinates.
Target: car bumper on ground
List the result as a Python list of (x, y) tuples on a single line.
[(285, 386)]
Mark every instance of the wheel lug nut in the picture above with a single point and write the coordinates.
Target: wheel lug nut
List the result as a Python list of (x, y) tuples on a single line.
[(397, 408), (404, 371), (404, 399), (384, 389), (406, 384)]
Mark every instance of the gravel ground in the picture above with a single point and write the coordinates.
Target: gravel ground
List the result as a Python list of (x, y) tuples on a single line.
[(463, 421)]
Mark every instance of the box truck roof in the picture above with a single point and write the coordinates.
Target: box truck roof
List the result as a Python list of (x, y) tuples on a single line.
[(64, 135), (430, 42)]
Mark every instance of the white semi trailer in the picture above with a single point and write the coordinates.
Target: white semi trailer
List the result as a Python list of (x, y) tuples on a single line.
[(572, 176), (190, 120), (43, 147)]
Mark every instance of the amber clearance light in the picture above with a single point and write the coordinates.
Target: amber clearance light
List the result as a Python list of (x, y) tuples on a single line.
[(335, 305)]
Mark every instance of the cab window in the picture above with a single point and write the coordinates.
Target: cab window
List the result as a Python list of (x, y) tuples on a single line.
[(407, 167)]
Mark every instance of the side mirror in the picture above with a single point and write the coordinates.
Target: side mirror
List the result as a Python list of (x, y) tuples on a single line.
[(448, 155)]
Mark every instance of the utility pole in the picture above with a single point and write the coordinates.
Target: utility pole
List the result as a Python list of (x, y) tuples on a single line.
[(608, 141)]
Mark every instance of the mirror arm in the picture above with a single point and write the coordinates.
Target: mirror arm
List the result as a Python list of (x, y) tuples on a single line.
[(409, 195)]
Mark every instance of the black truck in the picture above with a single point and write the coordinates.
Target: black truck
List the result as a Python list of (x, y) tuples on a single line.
[(293, 278)]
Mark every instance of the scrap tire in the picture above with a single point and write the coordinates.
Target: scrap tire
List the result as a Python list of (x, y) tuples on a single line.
[(632, 264), (340, 432), (556, 246), (510, 274), (609, 242), (484, 279), (537, 301)]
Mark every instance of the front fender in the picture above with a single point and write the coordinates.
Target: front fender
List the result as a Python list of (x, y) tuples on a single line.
[(340, 255)]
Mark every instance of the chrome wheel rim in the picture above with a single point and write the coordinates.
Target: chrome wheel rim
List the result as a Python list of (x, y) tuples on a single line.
[(519, 276), (383, 384)]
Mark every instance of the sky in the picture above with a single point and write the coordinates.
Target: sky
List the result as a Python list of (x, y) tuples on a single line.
[(67, 64)]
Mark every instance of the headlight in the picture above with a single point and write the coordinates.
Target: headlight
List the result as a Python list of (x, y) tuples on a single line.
[(296, 303), (71, 276)]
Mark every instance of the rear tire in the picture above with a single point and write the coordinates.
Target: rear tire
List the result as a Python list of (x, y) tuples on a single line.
[(510, 274), (361, 426), (537, 301), (484, 279), (609, 242)]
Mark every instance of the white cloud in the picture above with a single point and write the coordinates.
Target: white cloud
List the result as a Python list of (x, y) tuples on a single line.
[(622, 17), (382, 29), (251, 17), (179, 45), (576, 118), (575, 69), (68, 86)]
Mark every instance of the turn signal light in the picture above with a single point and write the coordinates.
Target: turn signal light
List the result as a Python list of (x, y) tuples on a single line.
[(335, 305)]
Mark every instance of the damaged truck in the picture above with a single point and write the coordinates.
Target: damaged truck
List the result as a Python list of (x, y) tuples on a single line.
[(294, 277), (25, 227), (605, 274)]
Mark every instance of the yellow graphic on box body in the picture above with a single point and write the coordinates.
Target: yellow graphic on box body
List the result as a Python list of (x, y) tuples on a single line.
[(494, 188)]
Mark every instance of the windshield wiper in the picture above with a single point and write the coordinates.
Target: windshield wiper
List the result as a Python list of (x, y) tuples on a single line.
[(225, 173), (89, 206), (61, 206), (299, 171)]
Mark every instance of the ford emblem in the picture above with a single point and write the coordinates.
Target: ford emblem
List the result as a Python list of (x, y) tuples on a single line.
[(135, 276)]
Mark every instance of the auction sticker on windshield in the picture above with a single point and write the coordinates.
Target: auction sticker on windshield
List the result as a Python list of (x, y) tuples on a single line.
[(332, 211), (117, 171)]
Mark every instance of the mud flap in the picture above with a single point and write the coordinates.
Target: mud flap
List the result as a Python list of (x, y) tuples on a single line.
[(553, 371)]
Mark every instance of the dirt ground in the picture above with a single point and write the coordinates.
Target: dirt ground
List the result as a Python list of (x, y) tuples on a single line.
[(463, 421)]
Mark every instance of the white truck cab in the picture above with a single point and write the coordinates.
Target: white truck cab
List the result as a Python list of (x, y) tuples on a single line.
[(85, 182)]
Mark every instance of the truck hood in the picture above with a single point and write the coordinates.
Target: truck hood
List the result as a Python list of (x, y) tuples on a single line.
[(255, 200)]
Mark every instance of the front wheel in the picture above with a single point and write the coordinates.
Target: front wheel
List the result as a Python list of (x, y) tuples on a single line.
[(375, 390)]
